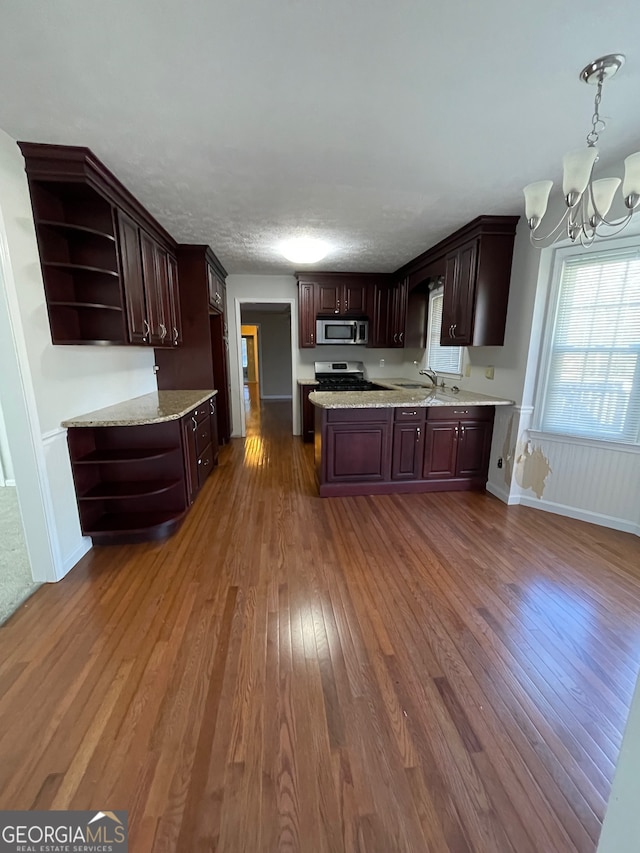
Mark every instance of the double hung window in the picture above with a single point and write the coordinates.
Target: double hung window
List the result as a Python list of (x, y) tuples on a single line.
[(590, 375)]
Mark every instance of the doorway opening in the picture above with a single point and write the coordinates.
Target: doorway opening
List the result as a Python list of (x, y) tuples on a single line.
[(266, 364)]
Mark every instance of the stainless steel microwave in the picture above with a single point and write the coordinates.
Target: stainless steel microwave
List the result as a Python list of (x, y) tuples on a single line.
[(334, 331)]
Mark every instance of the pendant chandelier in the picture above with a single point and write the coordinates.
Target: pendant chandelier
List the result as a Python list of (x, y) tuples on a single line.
[(588, 201)]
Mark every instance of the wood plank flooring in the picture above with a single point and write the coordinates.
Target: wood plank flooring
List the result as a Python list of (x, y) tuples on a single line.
[(432, 672)]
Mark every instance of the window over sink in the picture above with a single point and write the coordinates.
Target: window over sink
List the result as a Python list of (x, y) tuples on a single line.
[(446, 360)]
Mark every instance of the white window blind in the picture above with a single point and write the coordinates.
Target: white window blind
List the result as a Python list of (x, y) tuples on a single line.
[(592, 386), (440, 359)]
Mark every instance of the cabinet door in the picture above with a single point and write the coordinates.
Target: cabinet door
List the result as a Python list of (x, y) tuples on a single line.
[(133, 281), (162, 293), (459, 295), (152, 299), (380, 332), (175, 331), (354, 300), (329, 298), (399, 313), (189, 434), (213, 419), (474, 445), (358, 452), (306, 315), (408, 451), (307, 410), (440, 450)]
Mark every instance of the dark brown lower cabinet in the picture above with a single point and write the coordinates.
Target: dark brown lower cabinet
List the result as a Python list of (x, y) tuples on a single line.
[(307, 413), (136, 483), (386, 450), (408, 444), (458, 444), (358, 445)]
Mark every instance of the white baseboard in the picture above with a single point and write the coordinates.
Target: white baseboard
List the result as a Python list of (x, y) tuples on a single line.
[(502, 494), (582, 515), (276, 397), (70, 560)]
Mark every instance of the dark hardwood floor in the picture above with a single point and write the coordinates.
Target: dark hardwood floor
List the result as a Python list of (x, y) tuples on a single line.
[(435, 672)]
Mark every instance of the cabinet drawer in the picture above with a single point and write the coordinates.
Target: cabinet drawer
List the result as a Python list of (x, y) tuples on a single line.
[(201, 412), (457, 413), (205, 464), (358, 416), (203, 435), (410, 413)]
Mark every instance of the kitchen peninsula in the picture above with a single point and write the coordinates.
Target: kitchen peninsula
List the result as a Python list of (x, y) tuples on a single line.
[(406, 438)]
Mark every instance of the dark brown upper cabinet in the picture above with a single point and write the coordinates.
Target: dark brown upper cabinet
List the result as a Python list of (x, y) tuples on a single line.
[(476, 264), (342, 296), (109, 269)]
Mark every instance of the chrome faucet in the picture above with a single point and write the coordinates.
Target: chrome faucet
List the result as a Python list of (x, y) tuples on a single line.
[(431, 374)]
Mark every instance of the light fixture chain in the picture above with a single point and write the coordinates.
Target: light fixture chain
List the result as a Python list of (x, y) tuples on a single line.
[(597, 124)]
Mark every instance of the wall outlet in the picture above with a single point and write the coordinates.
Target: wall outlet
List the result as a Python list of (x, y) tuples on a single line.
[(467, 369), (381, 362), (488, 372)]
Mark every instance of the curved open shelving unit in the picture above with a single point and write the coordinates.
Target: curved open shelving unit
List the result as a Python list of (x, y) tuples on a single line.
[(129, 527), (70, 228), (64, 265), (137, 489), (105, 457), (102, 306)]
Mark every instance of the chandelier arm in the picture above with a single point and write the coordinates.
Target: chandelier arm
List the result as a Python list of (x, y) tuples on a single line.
[(551, 233)]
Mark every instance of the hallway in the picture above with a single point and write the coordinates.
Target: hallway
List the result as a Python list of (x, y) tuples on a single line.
[(433, 672)]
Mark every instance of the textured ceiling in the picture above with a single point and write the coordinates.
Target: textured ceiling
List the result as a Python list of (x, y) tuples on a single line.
[(377, 126)]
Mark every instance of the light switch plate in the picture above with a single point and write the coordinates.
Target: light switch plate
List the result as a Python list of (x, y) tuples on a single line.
[(488, 372)]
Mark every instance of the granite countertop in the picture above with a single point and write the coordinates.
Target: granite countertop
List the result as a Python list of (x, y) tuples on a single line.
[(151, 408), (422, 395), (311, 381)]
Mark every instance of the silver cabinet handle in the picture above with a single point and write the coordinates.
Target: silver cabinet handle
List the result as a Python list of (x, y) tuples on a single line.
[(418, 433), (401, 336), (146, 330), (163, 331), (195, 424), (176, 335), (461, 429), (408, 414), (395, 337), (212, 408)]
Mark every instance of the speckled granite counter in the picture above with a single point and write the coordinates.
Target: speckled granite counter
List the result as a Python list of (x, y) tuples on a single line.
[(151, 408), (397, 396), (311, 381)]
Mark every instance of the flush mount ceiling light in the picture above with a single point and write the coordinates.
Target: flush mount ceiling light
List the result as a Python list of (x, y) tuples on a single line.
[(304, 250), (588, 201)]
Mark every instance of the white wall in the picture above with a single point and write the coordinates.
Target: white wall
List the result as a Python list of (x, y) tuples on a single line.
[(243, 289), (6, 465), (274, 359), (63, 381)]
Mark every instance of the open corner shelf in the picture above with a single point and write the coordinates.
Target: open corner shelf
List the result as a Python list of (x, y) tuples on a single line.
[(137, 489), (70, 228), (65, 265), (89, 305), (123, 454), (130, 527)]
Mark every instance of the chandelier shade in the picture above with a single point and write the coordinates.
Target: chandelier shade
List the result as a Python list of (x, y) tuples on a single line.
[(587, 201)]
